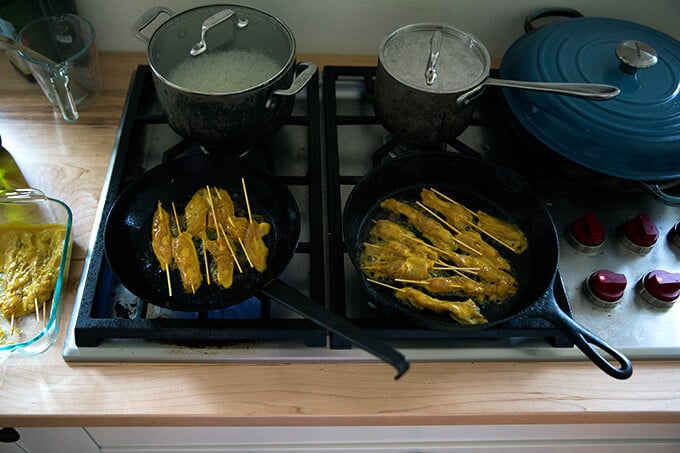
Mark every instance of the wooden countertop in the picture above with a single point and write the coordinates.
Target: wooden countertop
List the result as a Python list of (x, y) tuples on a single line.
[(69, 162)]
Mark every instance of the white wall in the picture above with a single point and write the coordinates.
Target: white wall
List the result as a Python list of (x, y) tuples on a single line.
[(357, 26)]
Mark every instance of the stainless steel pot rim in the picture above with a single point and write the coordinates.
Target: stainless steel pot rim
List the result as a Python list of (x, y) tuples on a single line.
[(272, 80), (473, 43)]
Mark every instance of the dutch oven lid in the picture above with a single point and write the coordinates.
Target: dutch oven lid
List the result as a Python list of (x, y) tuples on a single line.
[(457, 61), (248, 50), (634, 136)]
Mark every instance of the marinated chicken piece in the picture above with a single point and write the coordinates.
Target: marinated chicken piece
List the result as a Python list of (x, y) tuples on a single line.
[(254, 244), (161, 237), (456, 214), (30, 256), (504, 231), (236, 227), (196, 214), (186, 259), (465, 312), (459, 285), (223, 204), (386, 230), (224, 261), (412, 268), (458, 217)]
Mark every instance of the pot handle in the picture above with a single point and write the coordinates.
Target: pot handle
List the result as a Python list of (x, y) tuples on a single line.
[(585, 340), (146, 19), (298, 83), (658, 191), (548, 12), (303, 305)]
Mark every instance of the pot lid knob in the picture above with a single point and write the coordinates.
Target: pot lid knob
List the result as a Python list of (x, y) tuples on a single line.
[(661, 288), (640, 234), (587, 233), (605, 288), (635, 55)]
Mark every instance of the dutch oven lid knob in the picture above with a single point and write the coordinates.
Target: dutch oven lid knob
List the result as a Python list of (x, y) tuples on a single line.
[(635, 55)]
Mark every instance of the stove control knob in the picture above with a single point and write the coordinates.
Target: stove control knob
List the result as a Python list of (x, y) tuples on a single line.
[(640, 234), (587, 234), (661, 288), (605, 288), (675, 234)]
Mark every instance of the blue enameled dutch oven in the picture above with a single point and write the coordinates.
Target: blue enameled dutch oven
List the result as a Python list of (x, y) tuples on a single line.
[(635, 135)]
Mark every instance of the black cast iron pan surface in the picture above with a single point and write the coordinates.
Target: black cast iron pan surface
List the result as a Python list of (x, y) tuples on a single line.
[(127, 243), (500, 192)]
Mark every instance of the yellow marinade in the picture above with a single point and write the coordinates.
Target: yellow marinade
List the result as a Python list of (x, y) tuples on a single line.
[(30, 256)]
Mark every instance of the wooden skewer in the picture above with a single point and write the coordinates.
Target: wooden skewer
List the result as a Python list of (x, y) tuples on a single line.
[(11, 325), (433, 214), (44, 317), (167, 273), (385, 285), (245, 194), (174, 211), (37, 313), (205, 262), (421, 282), (231, 249), (245, 252), (472, 224)]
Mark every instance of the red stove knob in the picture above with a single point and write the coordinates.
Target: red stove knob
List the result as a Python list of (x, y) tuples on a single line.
[(640, 234), (661, 288), (605, 288), (587, 234)]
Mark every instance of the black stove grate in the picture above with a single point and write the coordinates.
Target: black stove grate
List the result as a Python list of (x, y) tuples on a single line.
[(102, 315), (342, 277)]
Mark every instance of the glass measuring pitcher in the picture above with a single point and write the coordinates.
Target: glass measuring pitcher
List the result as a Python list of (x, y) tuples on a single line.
[(68, 73)]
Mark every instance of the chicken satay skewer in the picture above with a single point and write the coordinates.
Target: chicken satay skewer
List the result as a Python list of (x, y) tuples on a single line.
[(451, 227), (220, 229), (423, 282), (474, 225), (159, 250), (179, 230), (250, 220), (231, 249), (378, 282)]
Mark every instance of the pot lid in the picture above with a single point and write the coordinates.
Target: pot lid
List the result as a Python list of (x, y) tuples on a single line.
[(435, 58), (248, 50), (635, 135)]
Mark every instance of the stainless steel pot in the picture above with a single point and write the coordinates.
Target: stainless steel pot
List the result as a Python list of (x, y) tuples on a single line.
[(226, 118), (430, 76)]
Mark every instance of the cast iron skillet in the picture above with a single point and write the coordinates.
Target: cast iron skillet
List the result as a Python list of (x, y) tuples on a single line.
[(500, 192), (127, 243)]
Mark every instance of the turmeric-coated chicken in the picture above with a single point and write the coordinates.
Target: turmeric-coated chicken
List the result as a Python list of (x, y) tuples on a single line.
[(223, 259), (465, 312), (186, 259), (196, 214), (161, 237), (254, 245)]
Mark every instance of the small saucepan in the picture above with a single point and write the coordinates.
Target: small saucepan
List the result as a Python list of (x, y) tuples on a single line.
[(500, 192), (127, 244), (430, 76)]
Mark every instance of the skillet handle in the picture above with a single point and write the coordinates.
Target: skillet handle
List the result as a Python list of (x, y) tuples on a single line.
[(303, 305), (585, 340)]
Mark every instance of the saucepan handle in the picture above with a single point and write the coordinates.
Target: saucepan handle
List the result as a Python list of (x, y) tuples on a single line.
[(146, 19), (303, 305), (299, 82), (585, 340)]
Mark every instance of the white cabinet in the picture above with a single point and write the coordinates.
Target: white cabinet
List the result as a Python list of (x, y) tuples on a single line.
[(615, 438)]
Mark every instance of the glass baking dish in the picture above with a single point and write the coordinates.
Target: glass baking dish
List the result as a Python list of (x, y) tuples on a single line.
[(34, 333)]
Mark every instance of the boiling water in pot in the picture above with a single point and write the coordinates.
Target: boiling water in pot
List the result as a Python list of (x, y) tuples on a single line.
[(224, 71)]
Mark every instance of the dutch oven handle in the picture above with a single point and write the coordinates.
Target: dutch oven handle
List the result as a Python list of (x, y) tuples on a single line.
[(303, 305), (146, 19), (548, 12), (658, 190), (585, 340), (299, 82)]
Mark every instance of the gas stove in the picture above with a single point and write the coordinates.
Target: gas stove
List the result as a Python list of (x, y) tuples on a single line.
[(321, 154)]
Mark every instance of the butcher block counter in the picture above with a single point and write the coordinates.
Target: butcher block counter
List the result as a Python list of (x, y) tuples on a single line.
[(70, 161)]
